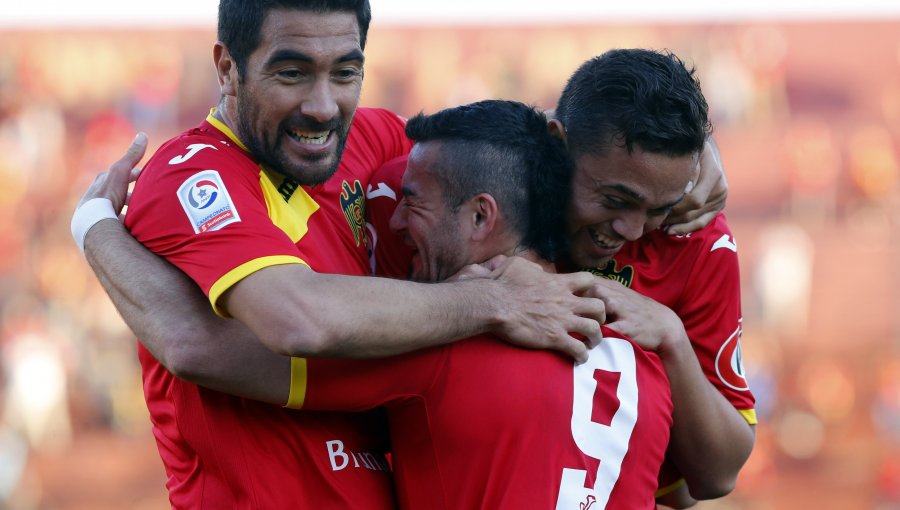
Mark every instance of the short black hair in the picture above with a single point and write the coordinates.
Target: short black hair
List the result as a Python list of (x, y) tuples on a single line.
[(634, 97), (240, 22), (503, 148)]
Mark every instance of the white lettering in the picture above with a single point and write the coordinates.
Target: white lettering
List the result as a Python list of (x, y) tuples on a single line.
[(335, 450), (340, 458)]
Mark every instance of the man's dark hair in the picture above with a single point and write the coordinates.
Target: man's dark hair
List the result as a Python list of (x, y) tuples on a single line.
[(634, 97), (240, 22), (503, 148)]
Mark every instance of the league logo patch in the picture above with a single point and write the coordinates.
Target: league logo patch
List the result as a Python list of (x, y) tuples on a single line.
[(729, 365), (206, 202), (625, 276), (353, 203)]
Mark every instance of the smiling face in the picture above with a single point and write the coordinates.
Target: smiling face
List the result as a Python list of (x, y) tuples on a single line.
[(426, 223), (618, 197), (294, 105)]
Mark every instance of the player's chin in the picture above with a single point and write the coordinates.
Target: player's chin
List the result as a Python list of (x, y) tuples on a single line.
[(313, 170)]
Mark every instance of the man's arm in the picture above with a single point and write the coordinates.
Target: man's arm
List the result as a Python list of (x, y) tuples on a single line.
[(710, 439), (294, 310), (173, 320), (168, 312)]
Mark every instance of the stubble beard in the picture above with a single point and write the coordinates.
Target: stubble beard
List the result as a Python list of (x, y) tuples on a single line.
[(270, 154)]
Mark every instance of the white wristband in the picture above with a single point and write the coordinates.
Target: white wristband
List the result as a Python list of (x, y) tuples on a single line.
[(89, 214)]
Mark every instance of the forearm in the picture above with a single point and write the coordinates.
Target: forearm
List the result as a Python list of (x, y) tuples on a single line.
[(296, 311), (326, 315), (174, 321), (710, 439)]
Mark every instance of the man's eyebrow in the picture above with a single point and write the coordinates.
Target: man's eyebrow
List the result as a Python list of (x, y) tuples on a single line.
[(671, 205), (637, 197), (350, 56), (625, 190), (288, 55)]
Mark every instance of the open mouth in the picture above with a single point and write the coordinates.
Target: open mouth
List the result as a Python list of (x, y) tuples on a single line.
[(603, 242), (309, 137)]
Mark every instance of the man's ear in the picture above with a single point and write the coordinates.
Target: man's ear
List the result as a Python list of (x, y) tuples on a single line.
[(556, 129), (484, 215), (226, 69)]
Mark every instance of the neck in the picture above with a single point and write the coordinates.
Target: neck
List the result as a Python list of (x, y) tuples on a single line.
[(530, 255), (223, 113)]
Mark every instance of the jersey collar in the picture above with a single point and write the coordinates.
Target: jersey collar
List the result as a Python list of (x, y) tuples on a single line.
[(221, 126)]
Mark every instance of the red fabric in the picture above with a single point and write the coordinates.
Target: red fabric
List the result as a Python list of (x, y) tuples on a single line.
[(222, 451), (481, 424), (697, 276)]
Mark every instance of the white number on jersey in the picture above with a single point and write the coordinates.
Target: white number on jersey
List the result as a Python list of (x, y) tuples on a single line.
[(607, 443)]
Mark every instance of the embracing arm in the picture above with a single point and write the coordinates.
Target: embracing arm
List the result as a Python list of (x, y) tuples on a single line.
[(293, 310), (166, 310), (710, 439), (706, 199), (173, 320)]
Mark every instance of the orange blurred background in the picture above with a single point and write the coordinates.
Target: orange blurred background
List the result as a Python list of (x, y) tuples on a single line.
[(807, 116)]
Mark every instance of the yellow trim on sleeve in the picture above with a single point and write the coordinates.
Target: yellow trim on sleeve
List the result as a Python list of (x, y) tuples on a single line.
[(297, 394), (242, 271), (749, 415), (669, 488)]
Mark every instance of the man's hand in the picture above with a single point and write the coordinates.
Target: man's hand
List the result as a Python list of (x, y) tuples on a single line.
[(540, 309), (113, 183), (707, 197), (651, 325)]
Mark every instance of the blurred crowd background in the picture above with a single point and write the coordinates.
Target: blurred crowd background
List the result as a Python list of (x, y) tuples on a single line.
[(807, 117)]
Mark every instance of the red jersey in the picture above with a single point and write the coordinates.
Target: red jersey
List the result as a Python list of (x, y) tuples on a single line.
[(697, 276), (390, 256), (204, 204), (481, 424)]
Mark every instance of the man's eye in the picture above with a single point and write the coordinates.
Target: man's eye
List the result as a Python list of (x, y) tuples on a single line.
[(347, 74), (291, 74), (614, 203)]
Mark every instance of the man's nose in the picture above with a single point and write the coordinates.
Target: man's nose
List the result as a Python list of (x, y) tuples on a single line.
[(630, 226), (320, 103)]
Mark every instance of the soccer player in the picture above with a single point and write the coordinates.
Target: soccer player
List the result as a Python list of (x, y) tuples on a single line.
[(480, 424), (257, 205), (617, 116), (627, 155), (205, 373)]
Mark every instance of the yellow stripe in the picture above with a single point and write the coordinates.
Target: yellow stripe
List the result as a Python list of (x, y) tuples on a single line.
[(669, 488), (749, 415), (291, 217), (221, 126), (297, 394), (242, 271)]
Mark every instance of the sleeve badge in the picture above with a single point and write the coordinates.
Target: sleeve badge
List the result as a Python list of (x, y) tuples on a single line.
[(206, 202)]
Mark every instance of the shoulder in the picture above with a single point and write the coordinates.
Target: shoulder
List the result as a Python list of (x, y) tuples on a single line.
[(374, 118), (373, 124), (196, 151), (391, 173), (201, 147), (713, 237)]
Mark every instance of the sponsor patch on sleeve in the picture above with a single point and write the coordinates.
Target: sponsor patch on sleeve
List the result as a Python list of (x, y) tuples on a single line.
[(206, 202)]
